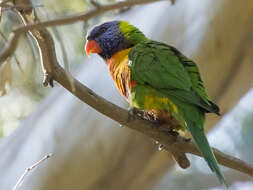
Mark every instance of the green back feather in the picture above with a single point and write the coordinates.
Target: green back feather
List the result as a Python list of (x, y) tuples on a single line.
[(158, 64)]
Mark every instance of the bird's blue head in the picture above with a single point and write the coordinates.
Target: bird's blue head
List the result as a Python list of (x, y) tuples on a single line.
[(110, 37)]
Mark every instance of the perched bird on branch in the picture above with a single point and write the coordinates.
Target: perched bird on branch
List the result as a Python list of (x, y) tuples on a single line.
[(157, 80)]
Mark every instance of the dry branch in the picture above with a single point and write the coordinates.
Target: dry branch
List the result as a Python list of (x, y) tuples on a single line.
[(21, 179), (95, 4), (178, 146), (3, 2)]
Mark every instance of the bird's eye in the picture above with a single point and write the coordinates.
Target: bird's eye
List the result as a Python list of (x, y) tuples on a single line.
[(102, 30), (97, 32)]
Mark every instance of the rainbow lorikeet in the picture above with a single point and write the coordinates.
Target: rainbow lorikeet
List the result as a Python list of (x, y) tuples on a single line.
[(156, 79)]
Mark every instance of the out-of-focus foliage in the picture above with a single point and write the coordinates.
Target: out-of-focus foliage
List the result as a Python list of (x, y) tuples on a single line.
[(63, 7), (24, 74), (26, 90), (6, 76)]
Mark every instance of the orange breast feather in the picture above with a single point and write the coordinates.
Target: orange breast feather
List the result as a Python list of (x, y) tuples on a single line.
[(120, 72)]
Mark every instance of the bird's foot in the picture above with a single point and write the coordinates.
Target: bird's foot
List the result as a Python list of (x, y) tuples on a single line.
[(133, 112), (150, 118), (187, 139), (167, 129), (174, 133)]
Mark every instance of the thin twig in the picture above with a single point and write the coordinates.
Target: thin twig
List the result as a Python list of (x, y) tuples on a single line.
[(19, 7), (21, 179), (3, 2), (95, 4), (64, 55), (15, 56)]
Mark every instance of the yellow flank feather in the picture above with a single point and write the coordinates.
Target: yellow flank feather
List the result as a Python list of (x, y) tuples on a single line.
[(152, 102)]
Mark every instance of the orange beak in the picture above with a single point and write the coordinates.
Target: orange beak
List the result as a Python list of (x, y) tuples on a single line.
[(92, 47)]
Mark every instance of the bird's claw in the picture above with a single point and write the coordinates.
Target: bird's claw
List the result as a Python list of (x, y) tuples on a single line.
[(187, 139), (167, 129), (174, 133), (132, 112)]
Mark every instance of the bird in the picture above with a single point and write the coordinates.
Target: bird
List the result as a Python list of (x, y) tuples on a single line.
[(156, 79)]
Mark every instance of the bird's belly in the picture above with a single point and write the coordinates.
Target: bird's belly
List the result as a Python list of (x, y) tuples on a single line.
[(155, 104)]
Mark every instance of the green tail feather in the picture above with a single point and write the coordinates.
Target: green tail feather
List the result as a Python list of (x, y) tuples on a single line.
[(205, 149)]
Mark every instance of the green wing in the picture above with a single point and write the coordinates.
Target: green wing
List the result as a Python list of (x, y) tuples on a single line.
[(197, 83), (167, 70)]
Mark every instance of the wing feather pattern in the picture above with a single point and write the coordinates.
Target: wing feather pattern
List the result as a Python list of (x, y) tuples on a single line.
[(164, 68)]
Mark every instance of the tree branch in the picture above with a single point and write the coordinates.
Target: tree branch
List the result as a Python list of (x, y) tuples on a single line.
[(21, 179), (96, 4), (3, 2), (178, 146)]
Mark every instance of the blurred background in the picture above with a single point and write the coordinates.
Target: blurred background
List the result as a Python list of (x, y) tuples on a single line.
[(90, 151)]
